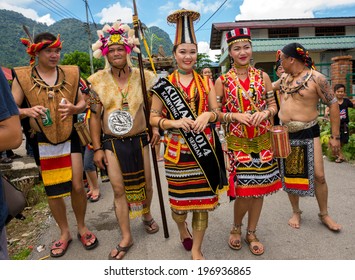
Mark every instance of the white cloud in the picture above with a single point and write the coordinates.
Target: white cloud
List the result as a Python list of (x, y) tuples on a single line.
[(282, 9), (115, 12), (167, 8), (200, 6), (204, 47), (46, 19), (13, 5)]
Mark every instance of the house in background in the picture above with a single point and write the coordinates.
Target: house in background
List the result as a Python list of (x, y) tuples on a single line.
[(330, 42)]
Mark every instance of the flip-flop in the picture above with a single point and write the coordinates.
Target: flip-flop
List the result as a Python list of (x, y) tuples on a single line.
[(86, 237), (148, 226), (63, 245), (119, 250), (95, 198)]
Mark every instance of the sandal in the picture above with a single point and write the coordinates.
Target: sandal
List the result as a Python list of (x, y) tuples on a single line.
[(322, 217), (120, 249), (148, 226), (94, 198), (254, 249), (86, 237), (339, 160), (235, 244), (62, 245)]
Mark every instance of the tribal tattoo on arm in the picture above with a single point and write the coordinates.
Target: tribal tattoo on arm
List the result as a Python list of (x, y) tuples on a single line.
[(94, 100), (325, 91)]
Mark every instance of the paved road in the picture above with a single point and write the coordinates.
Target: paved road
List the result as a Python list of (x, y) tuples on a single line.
[(312, 242)]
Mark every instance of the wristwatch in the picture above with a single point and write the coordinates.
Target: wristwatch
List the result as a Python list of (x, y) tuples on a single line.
[(335, 137)]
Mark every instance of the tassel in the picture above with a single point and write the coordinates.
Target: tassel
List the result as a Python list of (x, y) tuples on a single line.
[(232, 185)]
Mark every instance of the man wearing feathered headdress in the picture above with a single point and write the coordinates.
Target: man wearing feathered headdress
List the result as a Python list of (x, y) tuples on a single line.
[(52, 101), (117, 108)]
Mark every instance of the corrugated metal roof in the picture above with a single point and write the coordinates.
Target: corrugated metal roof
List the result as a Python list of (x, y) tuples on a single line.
[(218, 28), (310, 43)]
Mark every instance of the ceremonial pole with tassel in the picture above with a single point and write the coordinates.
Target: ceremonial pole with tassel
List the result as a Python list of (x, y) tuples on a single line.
[(136, 24)]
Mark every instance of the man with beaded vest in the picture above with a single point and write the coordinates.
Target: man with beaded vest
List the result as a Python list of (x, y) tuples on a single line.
[(117, 107), (185, 104), (53, 100), (247, 95), (301, 87)]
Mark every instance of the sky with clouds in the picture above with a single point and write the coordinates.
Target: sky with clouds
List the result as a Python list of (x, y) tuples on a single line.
[(154, 12)]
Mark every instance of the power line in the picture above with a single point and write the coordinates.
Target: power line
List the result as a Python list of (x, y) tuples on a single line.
[(92, 17), (58, 9), (69, 12), (53, 6), (49, 8), (212, 15)]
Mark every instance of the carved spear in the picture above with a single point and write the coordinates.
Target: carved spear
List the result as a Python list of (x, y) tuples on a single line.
[(137, 26)]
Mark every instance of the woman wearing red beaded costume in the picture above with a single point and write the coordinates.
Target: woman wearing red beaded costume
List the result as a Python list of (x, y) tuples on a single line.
[(247, 95)]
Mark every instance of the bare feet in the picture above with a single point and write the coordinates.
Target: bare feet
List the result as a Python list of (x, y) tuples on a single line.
[(295, 220), (329, 222)]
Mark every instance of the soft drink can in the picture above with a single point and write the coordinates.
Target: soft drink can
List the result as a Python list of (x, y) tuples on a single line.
[(47, 120)]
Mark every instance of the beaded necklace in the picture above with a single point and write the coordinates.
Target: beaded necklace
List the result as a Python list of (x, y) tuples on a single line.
[(183, 72), (193, 93), (285, 86), (240, 92), (124, 92)]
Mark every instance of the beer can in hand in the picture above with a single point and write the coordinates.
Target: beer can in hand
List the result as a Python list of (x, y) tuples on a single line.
[(46, 119)]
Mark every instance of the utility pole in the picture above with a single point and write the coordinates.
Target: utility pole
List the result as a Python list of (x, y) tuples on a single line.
[(89, 35)]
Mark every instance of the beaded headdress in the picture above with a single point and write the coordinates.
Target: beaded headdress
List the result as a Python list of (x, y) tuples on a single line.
[(238, 35), (118, 33), (185, 32)]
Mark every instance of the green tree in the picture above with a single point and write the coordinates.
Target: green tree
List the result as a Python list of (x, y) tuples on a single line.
[(82, 59), (203, 60)]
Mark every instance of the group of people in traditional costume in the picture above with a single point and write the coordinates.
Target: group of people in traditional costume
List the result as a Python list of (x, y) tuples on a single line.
[(186, 106)]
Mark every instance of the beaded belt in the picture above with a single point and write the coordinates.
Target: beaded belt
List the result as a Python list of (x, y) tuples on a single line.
[(247, 145), (295, 126)]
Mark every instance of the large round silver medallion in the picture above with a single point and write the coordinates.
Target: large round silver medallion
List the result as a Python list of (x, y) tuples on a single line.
[(120, 122)]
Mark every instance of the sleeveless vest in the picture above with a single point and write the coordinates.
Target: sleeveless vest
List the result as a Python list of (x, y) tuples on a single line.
[(35, 94)]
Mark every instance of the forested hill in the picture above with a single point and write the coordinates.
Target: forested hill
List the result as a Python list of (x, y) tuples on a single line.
[(72, 32)]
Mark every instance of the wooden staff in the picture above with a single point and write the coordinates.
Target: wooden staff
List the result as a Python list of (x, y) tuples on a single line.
[(137, 26)]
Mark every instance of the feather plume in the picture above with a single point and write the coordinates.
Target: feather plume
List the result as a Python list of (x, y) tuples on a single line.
[(27, 32)]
